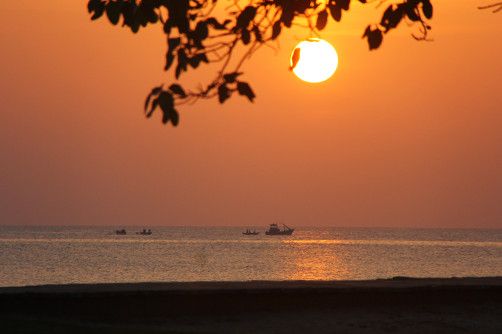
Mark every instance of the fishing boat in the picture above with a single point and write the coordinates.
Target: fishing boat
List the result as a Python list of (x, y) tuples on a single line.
[(275, 230), (249, 232), (145, 232), (121, 232)]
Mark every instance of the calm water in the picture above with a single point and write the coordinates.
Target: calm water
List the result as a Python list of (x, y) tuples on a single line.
[(48, 255)]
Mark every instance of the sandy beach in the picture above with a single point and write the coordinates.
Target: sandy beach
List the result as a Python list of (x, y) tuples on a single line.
[(398, 305)]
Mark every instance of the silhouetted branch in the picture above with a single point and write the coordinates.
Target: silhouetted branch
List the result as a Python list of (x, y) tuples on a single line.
[(497, 7), (196, 37)]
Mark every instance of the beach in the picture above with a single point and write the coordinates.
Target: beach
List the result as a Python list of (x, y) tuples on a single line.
[(398, 305)]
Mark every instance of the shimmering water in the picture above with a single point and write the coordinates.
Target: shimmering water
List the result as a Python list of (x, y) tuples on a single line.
[(53, 255)]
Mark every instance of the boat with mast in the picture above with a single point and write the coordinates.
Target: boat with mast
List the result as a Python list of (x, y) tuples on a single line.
[(275, 230)]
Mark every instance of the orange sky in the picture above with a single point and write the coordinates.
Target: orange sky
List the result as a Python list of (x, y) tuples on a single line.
[(409, 135)]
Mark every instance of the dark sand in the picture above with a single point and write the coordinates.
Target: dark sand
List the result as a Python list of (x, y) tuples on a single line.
[(399, 305)]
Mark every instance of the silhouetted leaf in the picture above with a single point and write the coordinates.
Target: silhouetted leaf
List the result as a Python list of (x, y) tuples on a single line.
[(244, 89), (155, 103), (257, 34), (178, 90), (173, 43), (246, 17), (374, 36), (223, 93), (97, 7), (201, 30), (230, 77), (246, 36), (182, 63), (155, 91), (392, 16), (166, 100), (113, 11), (175, 117), (166, 103), (411, 12), (287, 15), (336, 12), (344, 4), (169, 60), (322, 20), (276, 29), (427, 8), (295, 58)]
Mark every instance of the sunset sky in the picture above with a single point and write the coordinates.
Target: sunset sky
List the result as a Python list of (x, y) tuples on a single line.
[(409, 135)]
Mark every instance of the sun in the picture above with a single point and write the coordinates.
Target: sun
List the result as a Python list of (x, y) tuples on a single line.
[(314, 60)]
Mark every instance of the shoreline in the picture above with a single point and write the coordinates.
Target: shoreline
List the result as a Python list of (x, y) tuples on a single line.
[(394, 282), (401, 304)]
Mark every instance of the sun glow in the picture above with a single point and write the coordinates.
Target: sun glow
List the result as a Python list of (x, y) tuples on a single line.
[(314, 60)]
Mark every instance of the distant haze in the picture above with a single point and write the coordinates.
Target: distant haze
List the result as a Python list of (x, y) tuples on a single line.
[(409, 135)]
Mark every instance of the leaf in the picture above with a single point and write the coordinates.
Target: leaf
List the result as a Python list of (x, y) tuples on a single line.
[(245, 17), (295, 58), (155, 103), (92, 5), (178, 90), (244, 89), (113, 11), (276, 29), (172, 43), (245, 36), (344, 4), (155, 91), (166, 100), (201, 30), (412, 13), (257, 34), (374, 36), (287, 16), (230, 77), (194, 61), (97, 7), (182, 63), (169, 60), (392, 16), (175, 117), (322, 20), (427, 9), (166, 103), (336, 12), (203, 58), (223, 93)]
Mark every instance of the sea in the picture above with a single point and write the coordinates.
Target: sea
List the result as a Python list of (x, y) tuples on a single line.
[(32, 255)]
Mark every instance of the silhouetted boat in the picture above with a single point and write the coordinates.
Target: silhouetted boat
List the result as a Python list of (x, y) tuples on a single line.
[(275, 230), (249, 232), (145, 232), (121, 232)]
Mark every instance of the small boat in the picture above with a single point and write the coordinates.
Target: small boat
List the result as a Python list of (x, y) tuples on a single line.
[(249, 232), (145, 232), (121, 232), (275, 230)]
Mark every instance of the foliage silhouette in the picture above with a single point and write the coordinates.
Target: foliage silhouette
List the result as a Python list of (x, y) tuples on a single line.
[(196, 36)]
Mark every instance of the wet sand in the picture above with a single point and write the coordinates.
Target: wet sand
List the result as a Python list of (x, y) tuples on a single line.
[(399, 305)]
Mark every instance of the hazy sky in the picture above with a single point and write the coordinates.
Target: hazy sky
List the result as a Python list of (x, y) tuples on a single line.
[(409, 135)]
